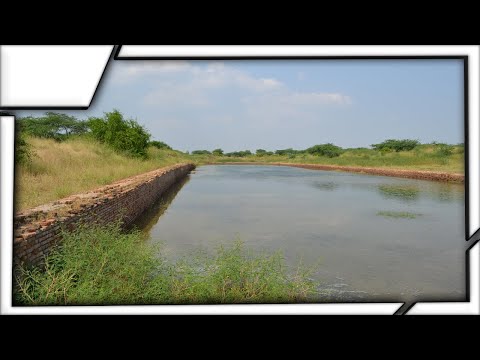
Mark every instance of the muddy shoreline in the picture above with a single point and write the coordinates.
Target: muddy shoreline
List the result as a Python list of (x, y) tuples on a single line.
[(410, 174)]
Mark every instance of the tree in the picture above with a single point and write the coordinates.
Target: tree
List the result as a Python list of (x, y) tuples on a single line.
[(288, 151), (53, 125), (396, 145), (239, 153), (260, 152), (217, 152), (328, 150), (201, 152)]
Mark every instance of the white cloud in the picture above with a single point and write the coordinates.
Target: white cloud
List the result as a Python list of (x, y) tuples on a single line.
[(195, 85), (137, 69), (299, 98)]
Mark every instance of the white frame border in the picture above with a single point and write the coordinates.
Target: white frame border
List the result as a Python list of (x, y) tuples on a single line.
[(166, 51)]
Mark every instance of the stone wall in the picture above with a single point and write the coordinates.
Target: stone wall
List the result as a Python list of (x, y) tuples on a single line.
[(37, 230)]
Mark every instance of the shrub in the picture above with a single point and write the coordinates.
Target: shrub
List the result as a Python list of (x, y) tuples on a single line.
[(443, 150), (260, 152), (218, 152), (159, 145), (201, 152), (23, 150), (289, 151), (328, 150), (121, 134), (239, 153), (396, 145)]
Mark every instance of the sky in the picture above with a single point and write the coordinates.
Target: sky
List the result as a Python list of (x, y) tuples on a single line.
[(278, 104)]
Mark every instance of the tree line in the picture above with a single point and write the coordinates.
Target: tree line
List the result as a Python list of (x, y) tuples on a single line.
[(113, 129), (330, 150), (128, 136)]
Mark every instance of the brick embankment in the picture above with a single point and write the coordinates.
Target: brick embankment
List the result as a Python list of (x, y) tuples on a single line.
[(36, 230), (411, 174)]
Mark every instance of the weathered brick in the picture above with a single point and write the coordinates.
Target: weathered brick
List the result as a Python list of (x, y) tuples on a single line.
[(126, 199)]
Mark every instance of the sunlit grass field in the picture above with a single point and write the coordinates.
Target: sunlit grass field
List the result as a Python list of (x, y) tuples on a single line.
[(60, 169), (423, 157)]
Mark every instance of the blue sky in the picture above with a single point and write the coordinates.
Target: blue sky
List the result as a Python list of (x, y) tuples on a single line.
[(276, 104)]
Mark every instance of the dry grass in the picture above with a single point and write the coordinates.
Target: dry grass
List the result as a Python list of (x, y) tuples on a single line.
[(422, 158), (61, 169)]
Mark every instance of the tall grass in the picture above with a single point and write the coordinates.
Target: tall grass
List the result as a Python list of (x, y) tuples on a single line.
[(105, 266), (59, 169), (423, 157)]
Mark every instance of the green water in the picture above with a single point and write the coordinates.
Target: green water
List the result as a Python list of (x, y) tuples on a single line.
[(370, 238)]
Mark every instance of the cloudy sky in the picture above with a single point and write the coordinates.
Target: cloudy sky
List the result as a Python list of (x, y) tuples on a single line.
[(276, 104)]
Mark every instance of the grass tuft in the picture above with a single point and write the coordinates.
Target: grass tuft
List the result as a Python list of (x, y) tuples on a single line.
[(105, 266)]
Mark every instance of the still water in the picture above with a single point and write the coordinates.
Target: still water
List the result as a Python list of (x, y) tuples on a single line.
[(369, 238)]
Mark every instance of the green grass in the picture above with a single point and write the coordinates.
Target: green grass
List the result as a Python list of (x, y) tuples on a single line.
[(398, 214), (105, 266), (423, 157)]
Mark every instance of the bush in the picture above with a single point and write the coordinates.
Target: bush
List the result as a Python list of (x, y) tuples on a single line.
[(443, 150), (260, 152), (328, 150), (239, 153), (121, 134), (396, 145), (201, 152), (23, 150), (289, 151), (159, 145), (217, 152)]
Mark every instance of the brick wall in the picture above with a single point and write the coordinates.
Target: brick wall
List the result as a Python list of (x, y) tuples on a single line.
[(38, 229)]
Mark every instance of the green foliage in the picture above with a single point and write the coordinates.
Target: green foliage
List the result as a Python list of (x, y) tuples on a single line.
[(289, 151), (53, 125), (94, 265), (98, 265), (396, 145), (217, 152), (239, 153), (260, 152), (23, 150), (121, 134), (443, 150), (159, 145), (201, 152), (235, 275), (328, 150)]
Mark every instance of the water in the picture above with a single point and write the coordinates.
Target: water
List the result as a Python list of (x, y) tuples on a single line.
[(370, 238)]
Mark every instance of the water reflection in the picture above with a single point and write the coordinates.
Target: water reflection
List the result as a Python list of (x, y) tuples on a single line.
[(328, 186), (150, 217), (362, 256)]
